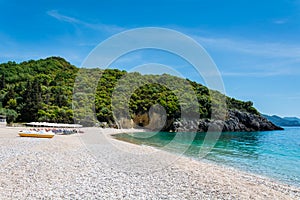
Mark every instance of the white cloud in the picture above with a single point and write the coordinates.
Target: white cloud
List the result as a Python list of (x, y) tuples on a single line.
[(102, 27), (60, 17), (267, 69), (258, 58), (280, 21), (257, 74), (266, 49)]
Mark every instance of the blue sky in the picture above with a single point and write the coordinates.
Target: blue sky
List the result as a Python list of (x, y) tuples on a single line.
[(255, 44)]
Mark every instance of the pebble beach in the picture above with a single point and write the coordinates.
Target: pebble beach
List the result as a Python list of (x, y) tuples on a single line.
[(94, 165)]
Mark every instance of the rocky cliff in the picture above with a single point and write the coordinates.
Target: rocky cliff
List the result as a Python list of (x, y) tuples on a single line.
[(236, 121)]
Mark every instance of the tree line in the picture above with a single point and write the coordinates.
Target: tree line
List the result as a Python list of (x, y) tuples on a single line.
[(43, 90)]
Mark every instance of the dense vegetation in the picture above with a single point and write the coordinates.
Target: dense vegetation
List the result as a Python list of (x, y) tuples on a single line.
[(42, 90)]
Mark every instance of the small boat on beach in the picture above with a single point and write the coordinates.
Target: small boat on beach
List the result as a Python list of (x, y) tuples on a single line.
[(36, 133)]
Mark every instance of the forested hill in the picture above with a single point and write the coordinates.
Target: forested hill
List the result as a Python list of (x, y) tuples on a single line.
[(42, 90), (37, 90)]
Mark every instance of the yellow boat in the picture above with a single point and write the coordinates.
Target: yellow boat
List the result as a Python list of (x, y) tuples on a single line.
[(37, 134)]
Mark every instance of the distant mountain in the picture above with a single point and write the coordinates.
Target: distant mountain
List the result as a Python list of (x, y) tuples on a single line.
[(292, 119), (286, 121)]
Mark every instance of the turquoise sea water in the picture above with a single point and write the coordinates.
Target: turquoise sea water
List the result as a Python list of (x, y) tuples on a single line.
[(274, 154)]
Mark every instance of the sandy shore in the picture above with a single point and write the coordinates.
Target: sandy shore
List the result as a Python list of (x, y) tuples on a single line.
[(93, 165)]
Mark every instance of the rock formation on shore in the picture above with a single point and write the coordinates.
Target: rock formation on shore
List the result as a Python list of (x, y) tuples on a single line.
[(236, 121)]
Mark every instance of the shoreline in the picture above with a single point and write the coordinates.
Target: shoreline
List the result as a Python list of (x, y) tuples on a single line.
[(211, 162), (72, 166)]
